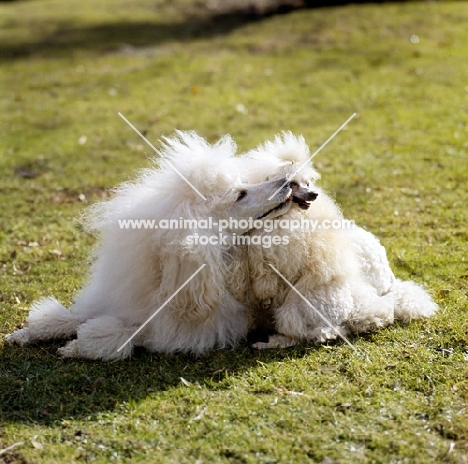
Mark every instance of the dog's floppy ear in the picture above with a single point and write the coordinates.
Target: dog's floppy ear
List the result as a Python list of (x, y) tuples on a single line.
[(195, 283), (192, 273)]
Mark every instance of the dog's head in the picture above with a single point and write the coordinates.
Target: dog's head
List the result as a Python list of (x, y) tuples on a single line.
[(286, 156), (208, 181), (265, 200)]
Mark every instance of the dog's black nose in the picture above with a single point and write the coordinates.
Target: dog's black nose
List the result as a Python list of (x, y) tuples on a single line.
[(311, 196)]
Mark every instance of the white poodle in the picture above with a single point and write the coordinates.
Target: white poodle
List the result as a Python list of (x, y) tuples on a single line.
[(147, 272), (341, 278)]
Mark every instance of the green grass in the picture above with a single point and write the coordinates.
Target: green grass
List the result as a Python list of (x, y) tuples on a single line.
[(400, 169)]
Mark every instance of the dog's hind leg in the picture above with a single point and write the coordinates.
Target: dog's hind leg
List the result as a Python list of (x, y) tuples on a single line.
[(371, 311), (411, 301), (47, 320), (102, 338)]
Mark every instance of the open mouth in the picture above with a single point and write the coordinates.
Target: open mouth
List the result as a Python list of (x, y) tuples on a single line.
[(301, 203), (278, 208)]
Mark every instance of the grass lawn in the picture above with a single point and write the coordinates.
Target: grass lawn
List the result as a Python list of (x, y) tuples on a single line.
[(400, 169)]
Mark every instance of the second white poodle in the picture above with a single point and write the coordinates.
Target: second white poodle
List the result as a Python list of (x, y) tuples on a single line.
[(333, 278)]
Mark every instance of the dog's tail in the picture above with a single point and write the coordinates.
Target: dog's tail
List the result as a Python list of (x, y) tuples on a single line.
[(411, 301), (48, 319)]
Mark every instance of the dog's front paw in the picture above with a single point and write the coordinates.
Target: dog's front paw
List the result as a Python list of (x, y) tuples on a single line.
[(20, 337), (70, 350), (261, 346), (324, 334), (276, 341)]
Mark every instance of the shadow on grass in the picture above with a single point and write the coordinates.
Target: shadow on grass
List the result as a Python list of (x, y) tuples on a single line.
[(108, 38), (121, 36), (38, 387)]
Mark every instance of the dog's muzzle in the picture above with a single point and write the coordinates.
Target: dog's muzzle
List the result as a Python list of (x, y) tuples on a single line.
[(302, 196)]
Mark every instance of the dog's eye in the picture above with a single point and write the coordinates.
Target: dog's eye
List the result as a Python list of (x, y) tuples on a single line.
[(293, 183), (241, 195)]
